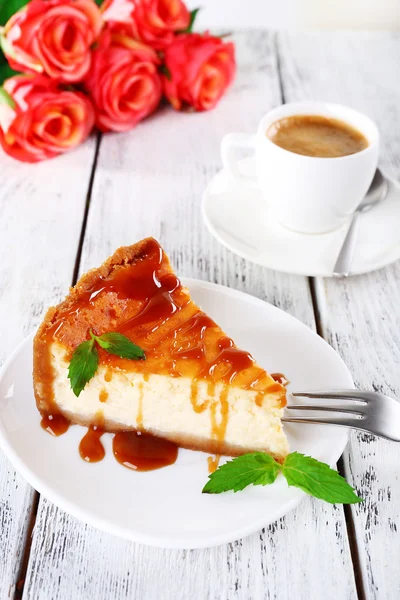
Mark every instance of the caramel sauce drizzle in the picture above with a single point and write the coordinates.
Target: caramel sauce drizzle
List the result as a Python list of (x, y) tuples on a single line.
[(194, 391), (55, 424), (139, 416), (90, 448), (103, 396), (280, 378), (213, 463), (142, 451), (149, 306)]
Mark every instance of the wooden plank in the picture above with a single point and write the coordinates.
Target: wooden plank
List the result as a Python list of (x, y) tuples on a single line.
[(361, 316), (41, 208), (149, 182)]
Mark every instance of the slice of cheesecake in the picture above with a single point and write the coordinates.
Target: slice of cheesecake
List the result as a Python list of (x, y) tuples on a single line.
[(195, 388)]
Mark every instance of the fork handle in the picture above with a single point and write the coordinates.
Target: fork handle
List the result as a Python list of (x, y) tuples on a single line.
[(345, 257)]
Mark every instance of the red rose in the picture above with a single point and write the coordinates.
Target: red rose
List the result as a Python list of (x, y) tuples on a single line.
[(152, 21), (53, 37), (199, 69), (124, 82), (39, 121)]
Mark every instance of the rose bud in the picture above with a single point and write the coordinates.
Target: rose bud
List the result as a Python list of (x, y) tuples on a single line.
[(39, 121), (199, 68), (124, 82), (154, 22), (53, 37)]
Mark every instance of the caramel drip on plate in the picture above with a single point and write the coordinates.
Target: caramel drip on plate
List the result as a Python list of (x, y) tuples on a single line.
[(91, 449), (213, 463), (55, 423), (143, 452)]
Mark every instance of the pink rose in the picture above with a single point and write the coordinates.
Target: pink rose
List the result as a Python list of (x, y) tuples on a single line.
[(39, 121), (53, 37), (199, 69), (124, 82), (154, 22)]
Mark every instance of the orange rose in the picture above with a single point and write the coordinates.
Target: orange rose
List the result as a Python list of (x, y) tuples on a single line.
[(152, 21), (39, 121), (124, 82), (53, 37), (199, 69)]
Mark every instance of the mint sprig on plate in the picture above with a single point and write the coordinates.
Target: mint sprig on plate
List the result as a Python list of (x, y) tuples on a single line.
[(85, 359), (310, 475)]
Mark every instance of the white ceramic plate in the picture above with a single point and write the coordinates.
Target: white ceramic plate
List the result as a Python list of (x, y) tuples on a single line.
[(165, 507), (239, 218)]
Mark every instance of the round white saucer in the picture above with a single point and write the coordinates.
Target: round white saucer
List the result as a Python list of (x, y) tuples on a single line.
[(239, 218), (166, 507)]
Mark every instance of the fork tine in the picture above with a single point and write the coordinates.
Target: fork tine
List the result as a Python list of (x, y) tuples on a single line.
[(345, 422), (355, 395), (357, 409), (359, 424)]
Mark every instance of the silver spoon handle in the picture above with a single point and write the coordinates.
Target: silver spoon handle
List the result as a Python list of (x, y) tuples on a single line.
[(345, 258)]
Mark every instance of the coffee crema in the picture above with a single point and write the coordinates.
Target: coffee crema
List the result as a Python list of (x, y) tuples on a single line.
[(315, 135)]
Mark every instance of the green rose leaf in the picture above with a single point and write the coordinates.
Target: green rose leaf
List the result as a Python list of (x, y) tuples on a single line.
[(5, 97), (193, 15), (10, 7)]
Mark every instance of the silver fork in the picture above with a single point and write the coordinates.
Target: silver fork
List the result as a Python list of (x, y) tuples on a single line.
[(369, 411)]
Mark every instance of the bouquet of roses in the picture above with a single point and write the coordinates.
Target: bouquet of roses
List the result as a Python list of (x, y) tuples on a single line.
[(71, 65)]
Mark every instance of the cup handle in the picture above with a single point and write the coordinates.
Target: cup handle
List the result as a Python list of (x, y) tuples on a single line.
[(229, 144)]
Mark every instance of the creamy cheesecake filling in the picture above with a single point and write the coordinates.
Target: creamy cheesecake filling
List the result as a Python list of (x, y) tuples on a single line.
[(195, 388), (165, 406)]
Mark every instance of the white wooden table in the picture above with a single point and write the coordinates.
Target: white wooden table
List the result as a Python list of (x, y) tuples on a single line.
[(59, 218)]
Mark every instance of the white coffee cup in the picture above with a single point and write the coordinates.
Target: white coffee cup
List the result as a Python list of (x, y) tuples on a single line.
[(305, 193)]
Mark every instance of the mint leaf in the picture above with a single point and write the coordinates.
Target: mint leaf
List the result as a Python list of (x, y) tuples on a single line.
[(257, 468), (116, 343), (317, 479), (308, 474), (85, 358), (83, 365), (193, 15)]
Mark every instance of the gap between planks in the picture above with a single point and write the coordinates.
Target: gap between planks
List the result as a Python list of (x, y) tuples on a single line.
[(86, 211), (350, 525), (19, 588), (318, 317)]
